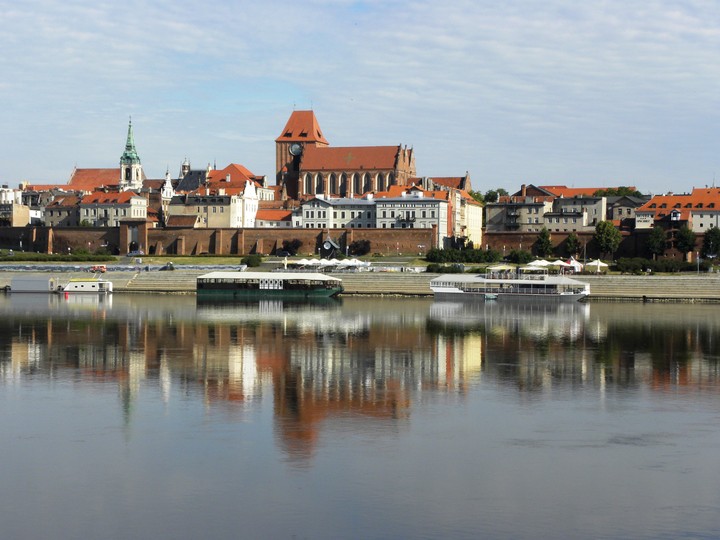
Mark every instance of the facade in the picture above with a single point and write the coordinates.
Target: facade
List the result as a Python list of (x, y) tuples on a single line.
[(101, 209), (414, 210), (322, 213), (218, 209), (306, 164), (700, 210)]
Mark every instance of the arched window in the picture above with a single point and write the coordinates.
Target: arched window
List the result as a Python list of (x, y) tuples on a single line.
[(308, 184), (320, 184), (357, 188), (367, 183), (343, 185), (333, 184), (381, 182), (391, 179)]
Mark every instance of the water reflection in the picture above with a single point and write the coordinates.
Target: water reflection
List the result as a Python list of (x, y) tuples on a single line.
[(360, 360)]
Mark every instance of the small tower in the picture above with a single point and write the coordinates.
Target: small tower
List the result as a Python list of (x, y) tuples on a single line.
[(184, 168), (131, 173)]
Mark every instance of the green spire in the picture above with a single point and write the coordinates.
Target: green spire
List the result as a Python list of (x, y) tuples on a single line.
[(130, 155)]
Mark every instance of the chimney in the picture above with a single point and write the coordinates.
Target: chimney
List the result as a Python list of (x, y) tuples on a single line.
[(523, 190)]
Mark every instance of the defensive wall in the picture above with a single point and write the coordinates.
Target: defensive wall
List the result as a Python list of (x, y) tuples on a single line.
[(188, 241)]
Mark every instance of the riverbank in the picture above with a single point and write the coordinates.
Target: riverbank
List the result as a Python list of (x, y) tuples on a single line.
[(703, 288)]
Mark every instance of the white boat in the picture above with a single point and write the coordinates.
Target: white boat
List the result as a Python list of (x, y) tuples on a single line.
[(506, 284), (87, 285)]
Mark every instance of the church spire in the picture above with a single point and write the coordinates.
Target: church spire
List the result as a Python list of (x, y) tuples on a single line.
[(131, 173), (130, 156)]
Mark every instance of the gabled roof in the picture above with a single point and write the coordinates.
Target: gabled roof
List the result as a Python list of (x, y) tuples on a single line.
[(454, 182), (181, 221), (68, 200), (353, 158), (100, 197), (238, 175), (268, 214), (91, 179), (302, 126), (192, 180)]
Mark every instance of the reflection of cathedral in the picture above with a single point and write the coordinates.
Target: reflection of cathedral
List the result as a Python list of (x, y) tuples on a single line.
[(307, 165)]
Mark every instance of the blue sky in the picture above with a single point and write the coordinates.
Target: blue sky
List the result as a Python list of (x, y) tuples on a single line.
[(553, 92)]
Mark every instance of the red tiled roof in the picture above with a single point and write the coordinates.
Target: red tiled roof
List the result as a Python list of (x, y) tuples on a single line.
[(699, 199), (69, 200), (268, 214), (449, 181), (238, 176), (354, 158), (181, 221), (302, 126), (100, 197), (90, 179)]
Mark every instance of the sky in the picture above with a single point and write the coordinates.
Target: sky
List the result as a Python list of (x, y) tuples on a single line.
[(596, 93)]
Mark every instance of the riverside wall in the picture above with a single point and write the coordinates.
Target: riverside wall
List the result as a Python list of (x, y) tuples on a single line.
[(701, 288)]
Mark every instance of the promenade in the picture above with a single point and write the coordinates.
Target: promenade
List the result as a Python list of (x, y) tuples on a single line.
[(674, 288)]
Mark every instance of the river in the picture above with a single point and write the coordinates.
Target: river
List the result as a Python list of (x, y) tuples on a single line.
[(160, 417)]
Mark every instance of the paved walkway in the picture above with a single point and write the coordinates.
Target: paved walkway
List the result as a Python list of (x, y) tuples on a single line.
[(698, 288)]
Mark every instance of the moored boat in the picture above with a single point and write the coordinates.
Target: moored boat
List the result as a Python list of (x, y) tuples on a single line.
[(240, 285), (87, 285), (505, 284)]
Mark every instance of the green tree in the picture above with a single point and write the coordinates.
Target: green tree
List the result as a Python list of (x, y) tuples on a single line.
[(477, 195), (656, 241), (572, 244), (607, 237), (543, 245), (685, 239), (711, 243), (621, 191), (493, 195)]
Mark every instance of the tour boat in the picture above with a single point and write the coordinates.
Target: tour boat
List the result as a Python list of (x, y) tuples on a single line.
[(506, 284), (87, 285), (241, 285)]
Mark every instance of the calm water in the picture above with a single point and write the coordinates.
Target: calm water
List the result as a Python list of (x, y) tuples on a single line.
[(157, 417)]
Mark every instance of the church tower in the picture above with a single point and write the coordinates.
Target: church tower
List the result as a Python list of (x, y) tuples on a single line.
[(131, 173)]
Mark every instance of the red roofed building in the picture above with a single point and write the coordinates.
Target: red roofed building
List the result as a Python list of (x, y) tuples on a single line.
[(99, 209), (700, 210), (307, 166)]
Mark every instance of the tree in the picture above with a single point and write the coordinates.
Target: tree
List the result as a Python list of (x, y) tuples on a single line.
[(711, 243), (656, 241), (359, 247), (493, 195), (685, 239), (543, 245), (477, 195), (607, 237), (620, 191), (572, 244), (292, 246)]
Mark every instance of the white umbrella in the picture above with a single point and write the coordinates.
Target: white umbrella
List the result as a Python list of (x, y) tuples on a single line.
[(597, 264), (560, 263), (539, 262)]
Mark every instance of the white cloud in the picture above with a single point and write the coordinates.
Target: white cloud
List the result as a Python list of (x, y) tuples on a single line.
[(559, 91)]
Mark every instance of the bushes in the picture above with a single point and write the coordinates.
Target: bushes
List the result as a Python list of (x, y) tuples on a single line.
[(252, 260), (638, 265), (445, 269)]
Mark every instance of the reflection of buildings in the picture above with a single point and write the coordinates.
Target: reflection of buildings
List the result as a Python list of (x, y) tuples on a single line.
[(363, 362)]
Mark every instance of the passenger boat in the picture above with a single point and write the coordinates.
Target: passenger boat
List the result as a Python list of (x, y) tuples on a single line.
[(505, 284), (242, 285), (87, 285)]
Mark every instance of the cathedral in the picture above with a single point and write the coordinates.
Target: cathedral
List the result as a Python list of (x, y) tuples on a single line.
[(307, 166)]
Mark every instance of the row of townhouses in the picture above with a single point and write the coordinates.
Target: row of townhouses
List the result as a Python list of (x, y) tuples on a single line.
[(325, 187)]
